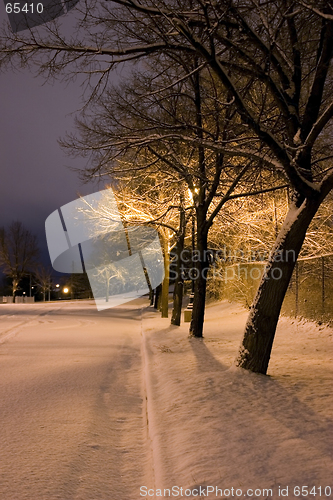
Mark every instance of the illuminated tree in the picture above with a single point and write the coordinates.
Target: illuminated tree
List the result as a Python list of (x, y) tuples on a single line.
[(167, 126), (273, 59)]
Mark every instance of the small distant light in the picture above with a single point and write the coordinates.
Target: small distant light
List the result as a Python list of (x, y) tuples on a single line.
[(65, 290), (57, 286), (23, 293)]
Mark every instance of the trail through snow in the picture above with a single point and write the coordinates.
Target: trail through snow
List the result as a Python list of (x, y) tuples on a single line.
[(71, 406), (95, 405)]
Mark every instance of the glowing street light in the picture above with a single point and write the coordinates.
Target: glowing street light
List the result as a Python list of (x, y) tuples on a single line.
[(57, 289), (66, 290)]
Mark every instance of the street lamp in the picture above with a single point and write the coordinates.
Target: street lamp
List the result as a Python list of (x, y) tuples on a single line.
[(66, 290)]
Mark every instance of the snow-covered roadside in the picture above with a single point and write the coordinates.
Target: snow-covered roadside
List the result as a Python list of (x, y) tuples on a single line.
[(224, 427), (14, 316), (71, 406)]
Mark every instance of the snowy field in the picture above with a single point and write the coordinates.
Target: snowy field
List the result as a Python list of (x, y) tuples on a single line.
[(119, 405)]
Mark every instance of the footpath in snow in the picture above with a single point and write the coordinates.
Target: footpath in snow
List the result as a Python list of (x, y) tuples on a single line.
[(215, 426), (72, 412)]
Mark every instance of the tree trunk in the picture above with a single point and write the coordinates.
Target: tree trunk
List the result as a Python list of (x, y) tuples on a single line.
[(260, 328), (151, 296), (15, 284), (177, 302), (179, 284), (165, 285), (201, 269), (198, 312), (157, 297), (179, 281)]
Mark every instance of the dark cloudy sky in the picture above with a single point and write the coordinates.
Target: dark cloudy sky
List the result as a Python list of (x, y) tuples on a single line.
[(35, 179)]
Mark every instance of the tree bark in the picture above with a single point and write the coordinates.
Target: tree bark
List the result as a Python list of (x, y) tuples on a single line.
[(179, 279), (165, 283), (151, 296), (157, 301), (179, 284), (261, 325), (15, 284), (199, 302)]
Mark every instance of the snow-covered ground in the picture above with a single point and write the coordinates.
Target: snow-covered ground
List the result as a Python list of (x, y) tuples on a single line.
[(96, 405), (225, 427), (71, 406)]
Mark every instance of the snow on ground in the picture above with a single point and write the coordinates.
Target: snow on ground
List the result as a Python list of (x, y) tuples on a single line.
[(216, 425), (72, 411), (78, 387)]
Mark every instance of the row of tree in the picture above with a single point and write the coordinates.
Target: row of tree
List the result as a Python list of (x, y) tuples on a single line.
[(20, 264), (227, 99)]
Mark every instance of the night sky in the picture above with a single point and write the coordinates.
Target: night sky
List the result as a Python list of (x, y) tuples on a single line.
[(35, 175), (35, 178)]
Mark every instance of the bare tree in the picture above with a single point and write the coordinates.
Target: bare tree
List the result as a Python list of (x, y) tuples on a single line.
[(274, 58), (153, 201), (169, 126), (43, 278), (142, 202), (18, 252)]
